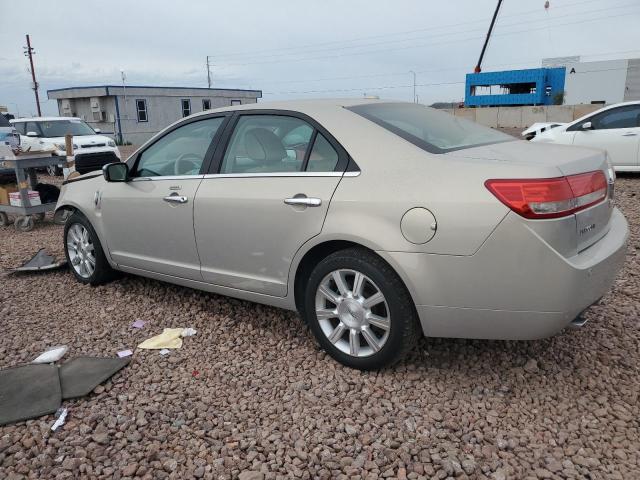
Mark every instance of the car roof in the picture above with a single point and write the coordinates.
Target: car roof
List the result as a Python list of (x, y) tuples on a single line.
[(42, 119), (308, 106)]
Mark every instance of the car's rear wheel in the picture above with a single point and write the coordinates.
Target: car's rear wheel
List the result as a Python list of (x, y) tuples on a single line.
[(84, 252), (359, 310)]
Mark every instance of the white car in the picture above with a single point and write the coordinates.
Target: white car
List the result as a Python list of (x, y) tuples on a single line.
[(615, 128), (91, 150)]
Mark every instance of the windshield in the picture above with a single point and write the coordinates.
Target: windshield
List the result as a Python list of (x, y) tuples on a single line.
[(60, 128), (429, 129)]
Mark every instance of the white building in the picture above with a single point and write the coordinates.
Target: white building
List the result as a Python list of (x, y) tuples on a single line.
[(134, 113), (607, 81)]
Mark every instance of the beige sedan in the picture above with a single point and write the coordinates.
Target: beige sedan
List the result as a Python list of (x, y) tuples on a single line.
[(377, 221)]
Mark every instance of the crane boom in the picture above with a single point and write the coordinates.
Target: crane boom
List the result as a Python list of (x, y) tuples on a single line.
[(478, 68)]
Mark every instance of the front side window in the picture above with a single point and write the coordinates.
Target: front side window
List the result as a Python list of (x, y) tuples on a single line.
[(60, 128), (141, 107), (622, 117), (20, 127), (267, 144), (179, 152), (186, 107), (429, 129), (206, 104), (33, 127)]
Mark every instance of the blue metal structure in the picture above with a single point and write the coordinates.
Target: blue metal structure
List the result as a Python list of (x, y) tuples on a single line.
[(535, 86)]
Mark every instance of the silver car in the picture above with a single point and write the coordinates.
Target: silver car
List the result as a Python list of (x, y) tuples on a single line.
[(378, 221)]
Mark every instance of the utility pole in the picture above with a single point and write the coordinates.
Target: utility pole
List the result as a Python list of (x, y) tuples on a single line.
[(478, 68), (415, 99), (29, 52), (208, 72)]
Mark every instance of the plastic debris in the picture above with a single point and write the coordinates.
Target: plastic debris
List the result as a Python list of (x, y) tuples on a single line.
[(164, 352), (62, 416), (138, 324), (125, 353), (51, 355), (39, 262), (188, 332), (169, 338)]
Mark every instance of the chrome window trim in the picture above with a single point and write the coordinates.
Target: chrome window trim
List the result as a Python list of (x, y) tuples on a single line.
[(282, 174), (246, 175), (167, 177)]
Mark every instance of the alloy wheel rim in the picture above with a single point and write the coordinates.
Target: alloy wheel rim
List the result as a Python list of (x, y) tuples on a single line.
[(353, 313), (81, 250)]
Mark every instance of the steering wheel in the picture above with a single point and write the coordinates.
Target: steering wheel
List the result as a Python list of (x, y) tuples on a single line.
[(180, 167)]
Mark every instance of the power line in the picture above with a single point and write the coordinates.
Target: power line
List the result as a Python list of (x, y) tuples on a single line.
[(437, 27), (385, 87), (519, 64), (441, 43), (364, 88)]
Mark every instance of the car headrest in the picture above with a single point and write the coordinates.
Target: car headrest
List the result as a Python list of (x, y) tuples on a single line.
[(264, 146)]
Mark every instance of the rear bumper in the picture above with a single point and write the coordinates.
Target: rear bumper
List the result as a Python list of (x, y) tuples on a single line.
[(515, 287)]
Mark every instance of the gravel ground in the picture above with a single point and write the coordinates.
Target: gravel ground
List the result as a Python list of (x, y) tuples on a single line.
[(252, 396)]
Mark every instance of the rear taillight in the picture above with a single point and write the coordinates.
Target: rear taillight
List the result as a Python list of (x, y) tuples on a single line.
[(550, 197)]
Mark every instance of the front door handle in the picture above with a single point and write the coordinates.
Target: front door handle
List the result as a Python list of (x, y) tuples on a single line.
[(306, 201), (175, 198), (629, 134)]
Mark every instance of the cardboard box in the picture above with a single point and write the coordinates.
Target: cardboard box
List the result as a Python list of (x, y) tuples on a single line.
[(16, 201), (5, 190)]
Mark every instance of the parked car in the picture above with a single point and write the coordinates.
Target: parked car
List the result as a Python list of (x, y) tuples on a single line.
[(615, 128), (91, 150), (377, 221), (8, 134), (9, 137)]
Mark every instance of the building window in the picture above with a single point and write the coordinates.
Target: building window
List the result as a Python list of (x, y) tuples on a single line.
[(186, 107), (236, 102), (141, 108), (206, 104)]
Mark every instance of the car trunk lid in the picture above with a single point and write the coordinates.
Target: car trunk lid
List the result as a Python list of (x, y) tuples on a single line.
[(571, 233)]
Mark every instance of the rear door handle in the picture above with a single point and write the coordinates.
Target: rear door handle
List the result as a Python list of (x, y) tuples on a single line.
[(175, 199), (309, 202), (629, 134)]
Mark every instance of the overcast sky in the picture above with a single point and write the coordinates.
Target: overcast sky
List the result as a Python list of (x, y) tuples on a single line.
[(292, 49)]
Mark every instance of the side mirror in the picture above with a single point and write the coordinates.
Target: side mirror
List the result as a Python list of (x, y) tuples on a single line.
[(587, 126), (116, 172), (97, 130), (32, 134)]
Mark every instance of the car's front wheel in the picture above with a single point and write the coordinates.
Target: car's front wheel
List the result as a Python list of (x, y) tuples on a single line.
[(84, 252), (359, 310)]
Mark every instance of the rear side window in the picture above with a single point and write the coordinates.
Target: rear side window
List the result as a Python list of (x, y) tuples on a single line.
[(623, 117), (429, 129), (323, 157), (267, 144)]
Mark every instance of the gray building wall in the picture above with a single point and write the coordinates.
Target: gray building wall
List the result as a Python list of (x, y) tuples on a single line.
[(632, 86), (112, 109)]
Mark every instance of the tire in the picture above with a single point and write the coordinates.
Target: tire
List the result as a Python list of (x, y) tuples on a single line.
[(357, 321), (24, 223), (4, 220), (86, 261)]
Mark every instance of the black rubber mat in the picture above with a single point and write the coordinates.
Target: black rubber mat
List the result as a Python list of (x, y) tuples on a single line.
[(29, 391), (80, 375), (40, 261)]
